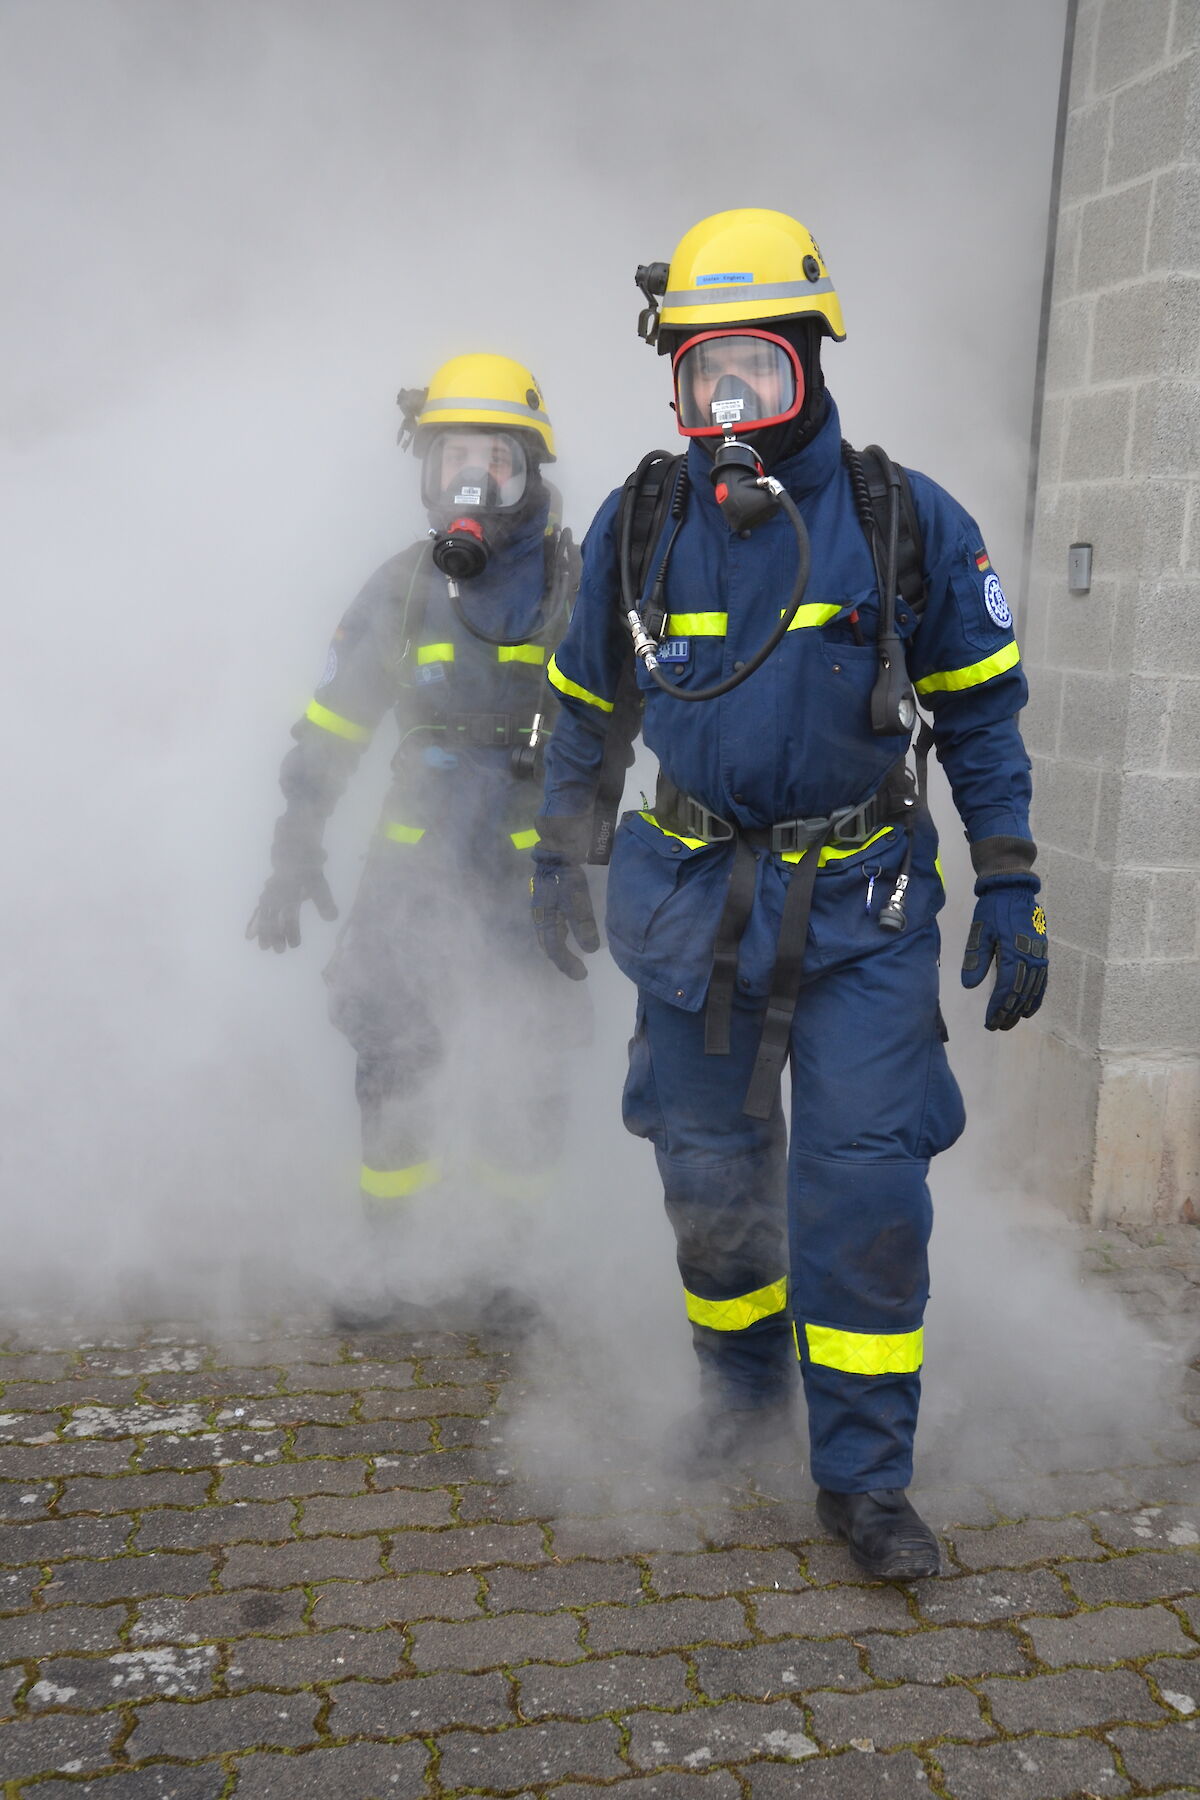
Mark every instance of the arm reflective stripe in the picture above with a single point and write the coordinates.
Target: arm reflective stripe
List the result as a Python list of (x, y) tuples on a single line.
[(397, 1184), (736, 1315), (524, 840), (522, 653), (696, 625), (404, 834), (316, 714), (565, 686), (952, 681), (863, 1353), (434, 653), (832, 854)]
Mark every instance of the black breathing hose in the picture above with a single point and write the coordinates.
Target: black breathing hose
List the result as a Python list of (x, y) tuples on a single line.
[(644, 645)]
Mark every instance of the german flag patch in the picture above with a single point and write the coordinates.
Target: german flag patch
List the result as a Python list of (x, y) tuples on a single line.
[(982, 562)]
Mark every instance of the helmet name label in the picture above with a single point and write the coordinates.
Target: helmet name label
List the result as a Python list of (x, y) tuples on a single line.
[(712, 280)]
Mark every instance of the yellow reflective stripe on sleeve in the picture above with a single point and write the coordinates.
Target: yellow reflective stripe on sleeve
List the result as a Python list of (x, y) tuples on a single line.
[(952, 681), (398, 1184), (434, 653), (737, 1314), (863, 1353), (404, 834), (692, 843), (817, 614), (316, 714), (524, 840), (696, 625), (836, 852), (566, 686), (522, 653)]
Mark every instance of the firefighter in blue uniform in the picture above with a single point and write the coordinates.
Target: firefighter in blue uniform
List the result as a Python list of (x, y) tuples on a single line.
[(778, 902), (453, 636)]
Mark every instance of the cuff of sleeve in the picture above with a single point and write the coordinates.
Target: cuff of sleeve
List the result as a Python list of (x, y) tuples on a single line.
[(563, 836), (1003, 856)]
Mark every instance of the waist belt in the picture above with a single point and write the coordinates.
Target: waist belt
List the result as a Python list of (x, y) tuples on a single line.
[(489, 730), (894, 802)]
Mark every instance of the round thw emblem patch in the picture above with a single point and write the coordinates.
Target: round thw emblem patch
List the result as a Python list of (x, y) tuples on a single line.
[(997, 605), (330, 669)]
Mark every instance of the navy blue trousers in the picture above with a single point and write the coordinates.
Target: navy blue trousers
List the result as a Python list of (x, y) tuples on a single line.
[(811, 1242)]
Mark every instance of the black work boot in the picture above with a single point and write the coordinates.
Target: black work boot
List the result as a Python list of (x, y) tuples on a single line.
[(714, 1443), (884, 1534)]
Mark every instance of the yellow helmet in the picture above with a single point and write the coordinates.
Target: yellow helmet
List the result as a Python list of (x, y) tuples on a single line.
[(479, 390), (747, 264)]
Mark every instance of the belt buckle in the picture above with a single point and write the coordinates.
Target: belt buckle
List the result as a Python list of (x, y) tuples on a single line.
[(791, 836), (712, 826), (490, 731), (850, 825)]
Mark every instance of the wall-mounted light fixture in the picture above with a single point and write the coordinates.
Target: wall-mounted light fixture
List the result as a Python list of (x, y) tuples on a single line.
[(1079, 569)]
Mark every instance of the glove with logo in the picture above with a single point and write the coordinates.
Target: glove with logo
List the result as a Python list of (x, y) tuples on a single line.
[(275, 921), (1009, 929), (559, 892)]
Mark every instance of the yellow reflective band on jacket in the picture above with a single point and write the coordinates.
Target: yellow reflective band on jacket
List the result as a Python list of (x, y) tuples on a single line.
[(863, 1353), (817, 614), (692, 843), (837, 852), (398, 1184), (937, 864), (434, 653), (567, 686), (521, 653), (716, 624), (316, 714), (737, 1314), (952, 681), (404, 834), (524, 840)]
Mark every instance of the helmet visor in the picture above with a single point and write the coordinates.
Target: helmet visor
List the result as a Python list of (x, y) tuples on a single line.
[(475, 470), (736, 381)]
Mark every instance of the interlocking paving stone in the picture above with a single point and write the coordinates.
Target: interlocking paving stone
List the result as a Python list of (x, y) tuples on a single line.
[(850, 1776), (725, 1572), (586, 1689), (354, 1772), (759, 1527), (441, 1468), (79, 1457), (564, 1584), (17, 1588), (462, 1371), (418, 1706), (219, 1616), (126, 1493), (406, 1435), (12, 1680), (616, 1536), (900, 1715), (203, 1451), (1053, 1496), (52, 1540), (466, 1547), (63, 1628), (733, 1732), (1190, 1607), (831, 1612), (209, 1384), (1154, 1758), (1144, 1576), (1016, 1546), (397, 1600), (484, 1643), (352, 1377), (425, 1403), (944, 1507), (765, 1671), (1178, 1681), (978, 1599), (716, 1784), (127, 1578), (289, 1410), (325, 1656), (85, 1682), (1166, 1484), (162, 1781), (24, 1500), (1036, 1768), (1115, 1634), (504, 1501), (210, 1727), (1158, 1527), (283, 1352), (242, 1521), (666, 1625), (1069, 1702), (932, 1655), (56, 1741), (1094, 1451), (285, 1480), (509, 1760), (310, 1559), (393, 1511)]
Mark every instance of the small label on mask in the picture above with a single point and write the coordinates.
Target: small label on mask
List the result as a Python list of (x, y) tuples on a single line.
[(727, 412), (468, 496), (675, 650)]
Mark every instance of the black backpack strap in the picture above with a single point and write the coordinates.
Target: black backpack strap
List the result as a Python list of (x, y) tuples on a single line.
[(869, 472)]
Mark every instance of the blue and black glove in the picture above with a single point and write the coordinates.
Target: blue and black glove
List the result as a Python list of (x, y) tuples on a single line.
[(561, 901), (1009, 929)]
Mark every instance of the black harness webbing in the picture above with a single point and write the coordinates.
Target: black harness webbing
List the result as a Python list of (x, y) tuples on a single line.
[(785, 984), (735, 915)]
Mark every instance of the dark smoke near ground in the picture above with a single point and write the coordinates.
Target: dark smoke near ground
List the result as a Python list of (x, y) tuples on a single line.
[(232, 232)]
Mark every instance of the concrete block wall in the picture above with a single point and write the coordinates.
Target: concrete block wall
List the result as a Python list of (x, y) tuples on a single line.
[(1114, 722)]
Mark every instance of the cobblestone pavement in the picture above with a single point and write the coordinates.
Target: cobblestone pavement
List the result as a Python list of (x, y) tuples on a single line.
[(294, 1566)]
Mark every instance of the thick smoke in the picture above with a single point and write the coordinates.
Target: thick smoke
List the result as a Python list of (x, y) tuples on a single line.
[(233, 232)]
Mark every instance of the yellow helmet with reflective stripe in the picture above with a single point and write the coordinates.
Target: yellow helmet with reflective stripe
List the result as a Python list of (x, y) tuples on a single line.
[(743, 265), (485, 390)]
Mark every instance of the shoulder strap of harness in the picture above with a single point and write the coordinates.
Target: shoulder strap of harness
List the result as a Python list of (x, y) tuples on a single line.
[(869, 470)]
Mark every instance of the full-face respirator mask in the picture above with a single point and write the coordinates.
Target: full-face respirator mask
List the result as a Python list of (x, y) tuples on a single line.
[(738, 387), (474, 482)]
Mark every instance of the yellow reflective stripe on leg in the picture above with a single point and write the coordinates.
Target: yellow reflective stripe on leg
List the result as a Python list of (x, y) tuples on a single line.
[(404, 834), (397, 1184), (521, 653), (952, 681), (524, 840), (864, 1352), (316, 714), (737, 1314), (434, 653), (566, 686)]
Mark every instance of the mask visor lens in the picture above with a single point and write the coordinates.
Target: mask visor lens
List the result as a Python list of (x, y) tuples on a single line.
[(469, 470), (736, 381)]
